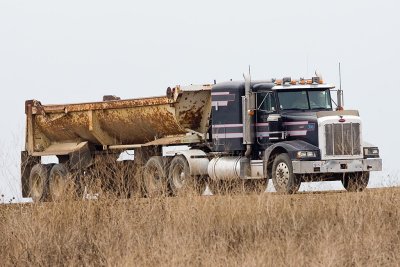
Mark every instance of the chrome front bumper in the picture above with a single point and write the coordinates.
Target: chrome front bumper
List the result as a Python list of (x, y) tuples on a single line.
[(337, 166)]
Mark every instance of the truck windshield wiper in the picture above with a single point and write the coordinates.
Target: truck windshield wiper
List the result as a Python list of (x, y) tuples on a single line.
[(296, 109), (319, 108)]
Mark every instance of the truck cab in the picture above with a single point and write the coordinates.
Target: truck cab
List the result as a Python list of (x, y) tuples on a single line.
[(295, 130), (289, 113)]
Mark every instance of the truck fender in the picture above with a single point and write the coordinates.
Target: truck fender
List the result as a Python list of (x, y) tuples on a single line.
[(197, 159), (290, 147)]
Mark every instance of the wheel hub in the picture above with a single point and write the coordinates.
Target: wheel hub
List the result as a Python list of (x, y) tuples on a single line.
[(178, 177), (282, 174)]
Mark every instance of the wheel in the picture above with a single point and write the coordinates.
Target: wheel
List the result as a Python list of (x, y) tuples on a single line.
[(38, 182), (155, 178), (60, 182), (180, 180), (256, 186), (355, 181), (285, 181)]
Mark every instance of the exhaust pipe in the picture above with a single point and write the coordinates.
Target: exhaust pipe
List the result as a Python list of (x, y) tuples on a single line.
[(340, 99), (340, 92), (247, 106)]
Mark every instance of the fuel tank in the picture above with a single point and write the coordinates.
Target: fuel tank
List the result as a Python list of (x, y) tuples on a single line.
[(224, 168)]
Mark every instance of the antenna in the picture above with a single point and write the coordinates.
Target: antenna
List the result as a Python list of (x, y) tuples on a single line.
[(340, 78)]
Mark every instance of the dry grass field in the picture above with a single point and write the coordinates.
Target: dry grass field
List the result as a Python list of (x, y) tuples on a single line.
[(333, 229)]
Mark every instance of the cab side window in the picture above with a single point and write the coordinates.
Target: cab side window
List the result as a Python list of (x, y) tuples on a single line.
[(266, 102)]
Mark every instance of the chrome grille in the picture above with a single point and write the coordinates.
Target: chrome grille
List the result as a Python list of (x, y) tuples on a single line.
[(342, 139)]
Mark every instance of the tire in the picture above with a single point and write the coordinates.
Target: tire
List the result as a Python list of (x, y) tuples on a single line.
[(181, 182), (38, 182), (61, 185), (356, 181), (155, 182), (283, 178)]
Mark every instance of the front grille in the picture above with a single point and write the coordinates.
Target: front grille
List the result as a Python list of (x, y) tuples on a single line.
[(342, 139)]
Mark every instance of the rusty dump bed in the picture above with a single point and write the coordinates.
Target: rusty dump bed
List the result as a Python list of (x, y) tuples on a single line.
[(181, 117)]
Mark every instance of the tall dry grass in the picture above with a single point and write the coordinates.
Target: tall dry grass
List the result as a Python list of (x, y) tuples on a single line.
[(343, 229)]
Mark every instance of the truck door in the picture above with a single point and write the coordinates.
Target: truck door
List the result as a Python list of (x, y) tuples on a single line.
[(266, 105)]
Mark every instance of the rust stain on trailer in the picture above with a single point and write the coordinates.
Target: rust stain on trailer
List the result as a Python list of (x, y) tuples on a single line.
[(121, 122), (114, 104), (193, 116)]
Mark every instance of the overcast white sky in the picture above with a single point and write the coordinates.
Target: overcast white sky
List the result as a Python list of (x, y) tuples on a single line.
[(72, 51)]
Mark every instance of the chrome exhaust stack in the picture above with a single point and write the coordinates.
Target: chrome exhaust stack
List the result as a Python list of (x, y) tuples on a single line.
[(339, 94), (248, 113), (340, 99)]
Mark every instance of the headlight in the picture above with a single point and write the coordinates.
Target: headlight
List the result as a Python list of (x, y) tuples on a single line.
[(371, 152), (306, 154)]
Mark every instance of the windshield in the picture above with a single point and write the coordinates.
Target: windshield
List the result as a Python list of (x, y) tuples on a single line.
[(305, 99)]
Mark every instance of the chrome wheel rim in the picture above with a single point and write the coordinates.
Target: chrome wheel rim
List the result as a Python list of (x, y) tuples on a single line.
[(282, 174), (178, 177)]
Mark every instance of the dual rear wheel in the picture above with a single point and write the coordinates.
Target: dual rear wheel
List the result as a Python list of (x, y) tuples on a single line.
[(163, 178), (49, 182)]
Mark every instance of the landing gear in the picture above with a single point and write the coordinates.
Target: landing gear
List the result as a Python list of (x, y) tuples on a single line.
[(285, 181)]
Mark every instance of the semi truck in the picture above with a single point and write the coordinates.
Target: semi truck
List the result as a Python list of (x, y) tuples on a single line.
[(234, 135)]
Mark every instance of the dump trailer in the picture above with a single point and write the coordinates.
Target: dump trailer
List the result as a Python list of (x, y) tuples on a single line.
[(234, 135)]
